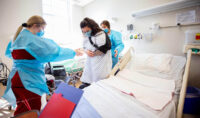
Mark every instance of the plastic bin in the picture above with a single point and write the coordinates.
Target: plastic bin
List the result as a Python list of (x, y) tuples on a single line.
[(192, 37), (192, 101)]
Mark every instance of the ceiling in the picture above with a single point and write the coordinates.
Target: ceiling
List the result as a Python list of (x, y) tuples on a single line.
[(81, 3)]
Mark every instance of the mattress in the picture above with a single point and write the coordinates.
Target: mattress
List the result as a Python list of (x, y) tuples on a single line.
[(112, 103)]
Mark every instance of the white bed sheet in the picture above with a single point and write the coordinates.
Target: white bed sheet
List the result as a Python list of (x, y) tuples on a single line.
[(111, 103), (141, 86)]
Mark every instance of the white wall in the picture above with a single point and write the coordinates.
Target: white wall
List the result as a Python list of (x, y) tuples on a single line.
[(121, 9), (169, 40), (13, 14), (77, 17)]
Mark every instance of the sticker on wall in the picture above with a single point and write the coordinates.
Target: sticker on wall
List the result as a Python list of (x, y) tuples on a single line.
[(186, 17), (197, 36)]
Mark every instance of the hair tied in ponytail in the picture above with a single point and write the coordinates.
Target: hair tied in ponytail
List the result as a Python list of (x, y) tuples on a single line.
[(24, 25)]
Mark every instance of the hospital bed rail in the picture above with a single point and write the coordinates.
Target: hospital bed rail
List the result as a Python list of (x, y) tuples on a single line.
[(75, 72), (187, 49), (4, 73), (122, 62), (184, 85)]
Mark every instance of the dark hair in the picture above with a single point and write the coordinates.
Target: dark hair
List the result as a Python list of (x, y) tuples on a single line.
[(106, 23), (87, 22)]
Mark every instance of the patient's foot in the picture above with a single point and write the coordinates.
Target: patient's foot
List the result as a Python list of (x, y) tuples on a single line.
[(84, 85)]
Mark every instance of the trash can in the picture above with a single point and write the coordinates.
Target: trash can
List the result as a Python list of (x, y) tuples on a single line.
[(192, 101)]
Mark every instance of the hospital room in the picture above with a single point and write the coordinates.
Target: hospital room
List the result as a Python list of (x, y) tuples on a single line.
[(100, 59)]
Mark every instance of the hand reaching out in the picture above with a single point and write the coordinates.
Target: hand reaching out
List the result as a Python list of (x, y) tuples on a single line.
[(79, 52)]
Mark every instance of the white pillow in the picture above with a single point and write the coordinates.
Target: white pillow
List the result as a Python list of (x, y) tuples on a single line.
[(157, 62), (175, 73)]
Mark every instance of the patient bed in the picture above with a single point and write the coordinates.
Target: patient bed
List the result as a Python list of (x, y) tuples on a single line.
[(73, 68), (72, 65), (110, 102)]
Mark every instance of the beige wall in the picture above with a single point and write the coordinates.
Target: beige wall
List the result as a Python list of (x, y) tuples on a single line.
[(169, 40)]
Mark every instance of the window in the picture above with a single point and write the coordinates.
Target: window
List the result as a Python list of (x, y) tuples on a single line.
[(57, 14)]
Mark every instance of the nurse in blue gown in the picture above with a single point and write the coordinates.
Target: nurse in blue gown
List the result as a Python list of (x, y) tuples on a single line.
[(116, 41), (29, 52)]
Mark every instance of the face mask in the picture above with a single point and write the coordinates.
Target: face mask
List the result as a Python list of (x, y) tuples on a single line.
[(106, 30), (40, 34), (88, 34)]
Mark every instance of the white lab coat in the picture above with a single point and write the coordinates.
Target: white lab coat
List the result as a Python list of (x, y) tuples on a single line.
[(97, 67)]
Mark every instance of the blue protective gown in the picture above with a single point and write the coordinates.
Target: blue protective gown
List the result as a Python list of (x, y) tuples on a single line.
[(117, 44), (31, 72)]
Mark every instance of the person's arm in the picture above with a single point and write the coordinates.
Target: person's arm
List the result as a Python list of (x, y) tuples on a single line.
[(64, 54), (99, 40), (118, 42), (46, 50), (8, 51), (84, 49)]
